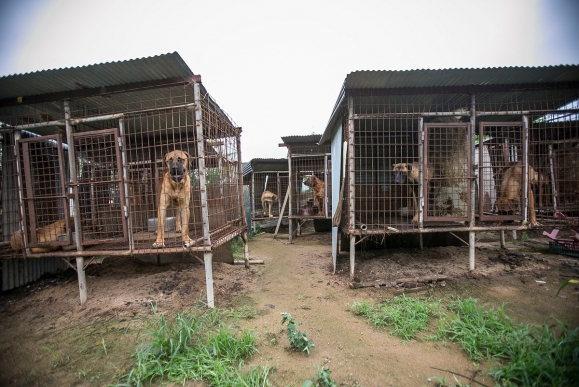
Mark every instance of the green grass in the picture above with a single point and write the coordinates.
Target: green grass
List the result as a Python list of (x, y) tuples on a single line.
[(406, 315), (238, 248), (520, 354), (196, 345)]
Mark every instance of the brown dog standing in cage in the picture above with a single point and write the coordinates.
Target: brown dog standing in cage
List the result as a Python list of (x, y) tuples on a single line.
[(175, 189), (267, 200), (409, 172), (318, 186), (510, 198)]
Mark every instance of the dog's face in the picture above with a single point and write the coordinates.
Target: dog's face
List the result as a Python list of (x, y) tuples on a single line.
[(400, 172), (310, 181), (177, 163)]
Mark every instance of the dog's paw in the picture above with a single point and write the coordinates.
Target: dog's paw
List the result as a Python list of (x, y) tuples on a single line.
[(535, 224), (158, 245)]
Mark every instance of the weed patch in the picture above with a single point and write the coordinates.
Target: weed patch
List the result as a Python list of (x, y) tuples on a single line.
[(406, 315), (196, 345), (298, 340)]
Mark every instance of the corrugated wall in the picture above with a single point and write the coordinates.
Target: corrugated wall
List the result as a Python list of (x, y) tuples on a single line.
[(18, 272)]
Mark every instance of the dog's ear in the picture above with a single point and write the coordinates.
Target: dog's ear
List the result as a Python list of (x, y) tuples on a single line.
[(189, 160)]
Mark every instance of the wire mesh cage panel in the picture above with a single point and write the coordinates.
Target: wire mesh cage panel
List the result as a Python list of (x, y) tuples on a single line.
[(447, 173), (311, 186), (221, 141), (386, 173), (501, 159), (269, 187), (46, 217), (99, 191), (118, 146)]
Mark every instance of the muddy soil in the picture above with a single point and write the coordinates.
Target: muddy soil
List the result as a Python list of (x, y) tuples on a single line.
[(48, 339)]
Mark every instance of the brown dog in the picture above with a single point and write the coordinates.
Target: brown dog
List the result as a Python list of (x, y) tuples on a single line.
[(509, 199), (267, 200), (409, 172), (44, 234), (175, 190), (318, 186)]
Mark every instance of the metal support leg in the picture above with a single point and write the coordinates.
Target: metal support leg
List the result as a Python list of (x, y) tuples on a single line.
[(208, 258), (471, 250), (81, 280), (352, 256)]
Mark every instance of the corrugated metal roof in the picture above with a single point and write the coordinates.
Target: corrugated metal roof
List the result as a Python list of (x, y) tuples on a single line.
[(460, 77), (309, 139), (158, 67), (257, 165), (414, 80)]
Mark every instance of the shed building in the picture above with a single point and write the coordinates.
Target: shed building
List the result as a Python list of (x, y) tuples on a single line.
[(454, 150), (83, 157)]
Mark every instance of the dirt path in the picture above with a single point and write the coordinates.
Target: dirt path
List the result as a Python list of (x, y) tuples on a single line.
[(297, 279), (48, 339)]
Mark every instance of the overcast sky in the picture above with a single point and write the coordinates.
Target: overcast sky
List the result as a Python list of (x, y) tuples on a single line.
[(277, 67)]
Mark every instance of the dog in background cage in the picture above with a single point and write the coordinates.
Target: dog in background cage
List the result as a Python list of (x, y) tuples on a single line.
[(509, 200), (409, 173), (267, 200), (45, 234), (318, 186)]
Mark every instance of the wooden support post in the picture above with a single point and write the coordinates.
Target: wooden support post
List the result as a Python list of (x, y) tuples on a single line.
[(503, 244), (245, 249), (281, 213)]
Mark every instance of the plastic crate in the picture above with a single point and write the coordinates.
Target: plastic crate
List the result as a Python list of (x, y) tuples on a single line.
[(565, 248)]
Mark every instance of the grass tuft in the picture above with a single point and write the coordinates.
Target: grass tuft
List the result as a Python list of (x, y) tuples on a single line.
[(196, 345), (521, 355), (406, 315)]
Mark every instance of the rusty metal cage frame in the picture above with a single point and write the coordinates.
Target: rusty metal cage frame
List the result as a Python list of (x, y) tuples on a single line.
[(124, 133), (308, 159), (260, 182), (384, 127)]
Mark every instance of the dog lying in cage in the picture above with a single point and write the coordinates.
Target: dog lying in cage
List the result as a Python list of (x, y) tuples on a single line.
[(509, 201), (409, 173), (175, 190), (318, 186), (267, 200), (44, 234)]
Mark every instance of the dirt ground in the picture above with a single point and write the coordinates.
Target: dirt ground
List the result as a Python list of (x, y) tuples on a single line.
[(48, 339)]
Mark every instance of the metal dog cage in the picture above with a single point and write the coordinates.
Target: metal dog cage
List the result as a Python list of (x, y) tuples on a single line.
[(307, 160), (83, 159), (266, 175), (454, 151)]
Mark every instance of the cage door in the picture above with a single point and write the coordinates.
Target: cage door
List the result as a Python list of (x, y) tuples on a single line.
[(42, 177), (500, 180), (446, 171), (99, 187)]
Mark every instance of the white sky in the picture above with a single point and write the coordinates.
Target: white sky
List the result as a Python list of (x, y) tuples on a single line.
[(277, 67)]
